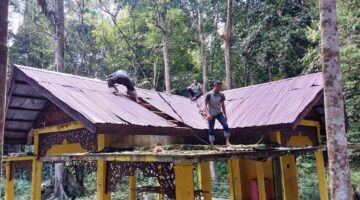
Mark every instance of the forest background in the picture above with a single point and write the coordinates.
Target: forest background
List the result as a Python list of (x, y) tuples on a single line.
[(269, 40)]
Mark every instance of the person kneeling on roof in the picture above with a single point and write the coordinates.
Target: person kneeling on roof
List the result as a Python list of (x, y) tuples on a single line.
[(214, 103), (195, 90), (122, 77)]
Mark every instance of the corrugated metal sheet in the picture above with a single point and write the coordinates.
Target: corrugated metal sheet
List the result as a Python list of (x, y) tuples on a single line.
[(178, 107), (275, 103), (94, 100)]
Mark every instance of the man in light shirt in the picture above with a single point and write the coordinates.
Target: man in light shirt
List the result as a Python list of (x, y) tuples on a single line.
[(195, 90), (215, 110)]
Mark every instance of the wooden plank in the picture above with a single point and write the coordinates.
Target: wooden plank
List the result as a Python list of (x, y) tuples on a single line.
[(18, 158), (180, 157), (24, 109), (59, 128)]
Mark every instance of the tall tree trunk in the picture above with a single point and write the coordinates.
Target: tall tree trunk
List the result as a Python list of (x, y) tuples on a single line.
[(4, 9), (334, 105), (59, 35), (59, 40), (202, 48), (165, 42), (227, 41), (60, 180)]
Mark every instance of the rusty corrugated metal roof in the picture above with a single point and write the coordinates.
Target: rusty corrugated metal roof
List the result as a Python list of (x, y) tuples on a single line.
[(93, 99), (273, 103), (281, 102)]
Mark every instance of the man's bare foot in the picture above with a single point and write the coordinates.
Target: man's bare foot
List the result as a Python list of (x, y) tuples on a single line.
[(230, 148)]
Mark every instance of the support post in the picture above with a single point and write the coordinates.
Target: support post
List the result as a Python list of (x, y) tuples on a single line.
[(235, 179), (260, 180), (10, 183), (36, 179), (320, 169), (132, 184), (102, 194), (160, 195), (205, 179), (289, 178), (184, 181)]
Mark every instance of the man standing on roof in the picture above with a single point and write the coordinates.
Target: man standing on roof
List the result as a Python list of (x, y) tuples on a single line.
[(195, 90), (122, 77), (214, 103)]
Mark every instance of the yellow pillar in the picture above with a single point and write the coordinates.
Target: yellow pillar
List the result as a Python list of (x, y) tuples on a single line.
[(261, 180), (10, 183), (234, 179), (320, 169), (160, 195), (184, 181), (289, 178), (102, 194), (132, 184), (205, 179), (36, 179)]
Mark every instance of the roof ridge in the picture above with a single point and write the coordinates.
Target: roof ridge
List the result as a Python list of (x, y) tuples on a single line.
[(58, 73), (272, 82)]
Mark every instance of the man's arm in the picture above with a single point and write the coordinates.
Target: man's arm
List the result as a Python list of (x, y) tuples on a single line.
[(223, 108), (223, 104), (207, 99)]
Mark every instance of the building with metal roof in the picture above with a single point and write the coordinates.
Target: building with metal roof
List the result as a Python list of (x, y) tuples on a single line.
[(80, 121), (278, 104)]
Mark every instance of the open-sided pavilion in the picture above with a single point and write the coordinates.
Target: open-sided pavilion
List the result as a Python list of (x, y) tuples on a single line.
[(78, 120)]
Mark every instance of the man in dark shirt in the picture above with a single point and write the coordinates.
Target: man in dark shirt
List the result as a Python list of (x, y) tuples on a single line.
[(214, 103), (122, 77)]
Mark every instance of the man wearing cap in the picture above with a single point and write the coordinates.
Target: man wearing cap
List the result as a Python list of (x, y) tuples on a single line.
[(215, 108), (122, 77)]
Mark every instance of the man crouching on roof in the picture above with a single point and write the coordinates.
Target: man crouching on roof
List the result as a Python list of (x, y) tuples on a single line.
[(214, 103), (122, 77)]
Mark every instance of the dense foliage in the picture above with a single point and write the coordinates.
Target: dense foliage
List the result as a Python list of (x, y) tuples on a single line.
[(272, 39)]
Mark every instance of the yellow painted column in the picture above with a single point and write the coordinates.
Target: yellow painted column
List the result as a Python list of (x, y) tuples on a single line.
[(103, 141), (102, 194), (10, 183), (160, 196), (320, 169), (132, 185), (235, 179), (36, 179), (289, 178), (184, 181), (261, 180), (205, 179)]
